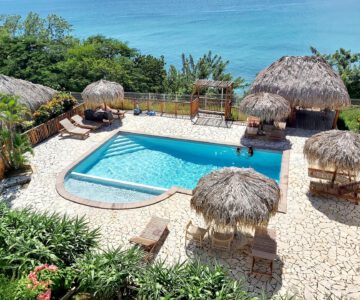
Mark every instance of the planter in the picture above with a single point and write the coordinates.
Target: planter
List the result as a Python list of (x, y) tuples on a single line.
[(2, 169)]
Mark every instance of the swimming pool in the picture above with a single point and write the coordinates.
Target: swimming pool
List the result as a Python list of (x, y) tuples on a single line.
[(130, 168)]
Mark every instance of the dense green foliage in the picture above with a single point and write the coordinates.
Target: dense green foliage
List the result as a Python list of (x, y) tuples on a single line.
[(347, 64), (28, 239), (59, 104), (189, 280), (43, 51), (13, 145)]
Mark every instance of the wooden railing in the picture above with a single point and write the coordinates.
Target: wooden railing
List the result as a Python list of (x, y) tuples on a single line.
[(51, 127)]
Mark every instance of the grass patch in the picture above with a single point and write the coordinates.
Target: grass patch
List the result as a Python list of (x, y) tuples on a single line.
[(348, 119)]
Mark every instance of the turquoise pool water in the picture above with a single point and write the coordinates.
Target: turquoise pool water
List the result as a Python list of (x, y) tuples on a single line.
[(131, 167)]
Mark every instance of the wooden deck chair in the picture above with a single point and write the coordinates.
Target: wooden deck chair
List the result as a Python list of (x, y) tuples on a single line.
[(81, 122), (195, 233), (73, 130), (264, 247), (328, 175), (346, 191), (221, 241), (151, 235)]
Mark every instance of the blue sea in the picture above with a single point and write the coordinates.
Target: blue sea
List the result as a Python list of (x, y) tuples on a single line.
[(249, 33)]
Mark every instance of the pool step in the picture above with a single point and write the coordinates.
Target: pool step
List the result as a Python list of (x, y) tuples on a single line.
[(120, 143), (124, 151), (119, 183), (122, 147)]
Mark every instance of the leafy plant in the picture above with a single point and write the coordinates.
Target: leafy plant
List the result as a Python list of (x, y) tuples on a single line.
[(13, 146), (189, 280), (28, 239), (108, 275), (59, 104)]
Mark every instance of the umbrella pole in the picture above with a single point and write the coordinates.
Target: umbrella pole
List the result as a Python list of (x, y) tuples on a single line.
[(334, 177)]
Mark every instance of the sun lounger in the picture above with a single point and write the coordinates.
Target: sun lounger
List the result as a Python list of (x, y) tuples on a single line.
[(348, 191), (81, 122), (195, 233), (264, 247), (328, 175), (73, 130), (151, 235), (221, 241)]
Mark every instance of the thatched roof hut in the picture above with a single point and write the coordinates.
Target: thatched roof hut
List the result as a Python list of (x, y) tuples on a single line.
[(334, 149), (232, 197), (266, 106), (30, 94), (305, 81), (102, 92)]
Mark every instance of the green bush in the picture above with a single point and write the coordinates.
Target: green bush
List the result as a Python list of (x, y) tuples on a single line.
[(189, 280), (108, 275), (59, 104), (29, 239), (7, 288), (348, 119)]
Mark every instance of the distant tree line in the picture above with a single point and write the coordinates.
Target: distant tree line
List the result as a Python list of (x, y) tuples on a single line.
[(42, 50)]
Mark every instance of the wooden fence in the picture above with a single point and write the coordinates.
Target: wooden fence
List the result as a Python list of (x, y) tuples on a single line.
[(51, 127)]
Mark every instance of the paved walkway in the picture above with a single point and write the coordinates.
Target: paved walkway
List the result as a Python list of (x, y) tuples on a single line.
[(318, 239)]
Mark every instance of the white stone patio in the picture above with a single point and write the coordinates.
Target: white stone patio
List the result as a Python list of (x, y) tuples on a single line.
[(318, 239)]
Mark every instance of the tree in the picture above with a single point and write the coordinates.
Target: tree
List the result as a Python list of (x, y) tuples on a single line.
[(208, 66), (347, 64)]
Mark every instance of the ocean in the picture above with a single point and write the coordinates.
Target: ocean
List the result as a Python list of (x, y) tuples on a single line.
[(249, 33)]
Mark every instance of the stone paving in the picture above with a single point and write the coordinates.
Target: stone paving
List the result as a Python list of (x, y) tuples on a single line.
[(318, 238)]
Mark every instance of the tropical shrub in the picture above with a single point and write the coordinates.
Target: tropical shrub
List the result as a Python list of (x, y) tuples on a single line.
[(37, 284), (188, 280), (59, 104), (13, 146), (109, 274), (28, 239)]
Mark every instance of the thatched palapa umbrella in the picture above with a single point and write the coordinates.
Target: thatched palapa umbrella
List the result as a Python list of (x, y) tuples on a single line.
[(30, 94), (102, 92), (334, 149), (305, 81), (266, 106), (233, 197)]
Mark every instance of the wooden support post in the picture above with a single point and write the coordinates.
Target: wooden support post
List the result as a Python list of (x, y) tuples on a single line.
[(337, 112), (292, 118)]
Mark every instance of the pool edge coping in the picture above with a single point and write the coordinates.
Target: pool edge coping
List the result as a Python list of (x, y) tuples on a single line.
[(60, 188)]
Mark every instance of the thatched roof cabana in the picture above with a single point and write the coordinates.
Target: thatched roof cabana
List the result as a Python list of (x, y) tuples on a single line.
[(266, 106), (232, 197), (102, 92), (305, 81), (334, 149), (30, 94)]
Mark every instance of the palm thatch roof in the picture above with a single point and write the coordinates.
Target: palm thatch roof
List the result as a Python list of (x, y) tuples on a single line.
[(30, 94), (102, 91), (266, 106), (232, 197), (305, 81), (334, 149)]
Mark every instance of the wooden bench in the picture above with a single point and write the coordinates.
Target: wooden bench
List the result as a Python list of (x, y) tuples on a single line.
[(264, 247)]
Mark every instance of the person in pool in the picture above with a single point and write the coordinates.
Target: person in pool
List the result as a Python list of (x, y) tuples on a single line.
[(238, 150), (250, 151)]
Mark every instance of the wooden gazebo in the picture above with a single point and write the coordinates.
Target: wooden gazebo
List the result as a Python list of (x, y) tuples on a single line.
[(226, 88)]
